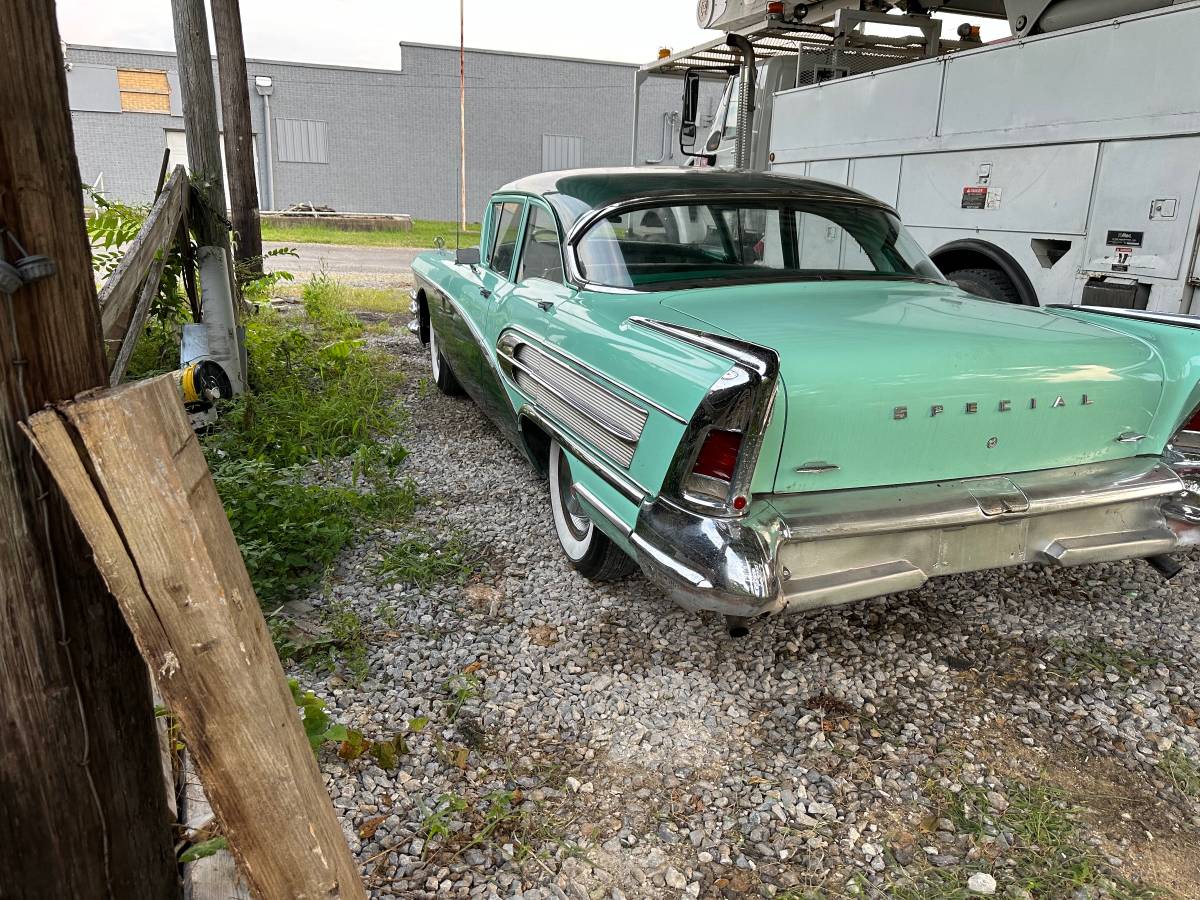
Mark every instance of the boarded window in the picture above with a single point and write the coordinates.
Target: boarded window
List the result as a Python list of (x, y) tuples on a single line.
[(144, 91), (561, 151), (302, 140)]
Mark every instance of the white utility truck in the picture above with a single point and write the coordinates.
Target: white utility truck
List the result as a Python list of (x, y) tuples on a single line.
[(1059, 165)]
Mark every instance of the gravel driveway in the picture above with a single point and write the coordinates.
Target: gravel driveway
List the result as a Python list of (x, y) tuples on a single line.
[(596, 741)]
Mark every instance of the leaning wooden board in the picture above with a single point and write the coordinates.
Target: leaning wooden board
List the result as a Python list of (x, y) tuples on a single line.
[(137, 482)]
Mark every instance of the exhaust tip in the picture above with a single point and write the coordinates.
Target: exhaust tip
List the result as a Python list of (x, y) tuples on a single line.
[(1165, 565), (736, 626)]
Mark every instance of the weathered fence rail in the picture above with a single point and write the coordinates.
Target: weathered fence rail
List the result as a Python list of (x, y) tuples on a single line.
[(126, 296)]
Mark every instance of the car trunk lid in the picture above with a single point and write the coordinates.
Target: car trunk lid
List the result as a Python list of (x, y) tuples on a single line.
[(897, 382)]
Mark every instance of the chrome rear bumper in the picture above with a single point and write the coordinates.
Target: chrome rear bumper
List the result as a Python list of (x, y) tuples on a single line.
[(803, 551)]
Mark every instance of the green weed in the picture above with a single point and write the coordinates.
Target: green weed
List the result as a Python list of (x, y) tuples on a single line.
[(352, 744), (1075, 659), (289, 532), (461, 688), (1052, 859), (423, 563), (317, 395), (438, 823), (347, 646), (423, 234), (1183, 772)]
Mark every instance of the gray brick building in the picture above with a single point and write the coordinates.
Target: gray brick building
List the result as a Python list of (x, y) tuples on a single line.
[(371, 140)]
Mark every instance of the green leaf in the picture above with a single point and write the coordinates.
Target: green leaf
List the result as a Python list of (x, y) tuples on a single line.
[(415, 725), (353, 745), (336, 733), (384, 753), (204, 848)]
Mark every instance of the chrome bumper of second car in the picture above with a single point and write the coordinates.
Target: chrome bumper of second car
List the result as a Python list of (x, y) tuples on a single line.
[(804, 551)]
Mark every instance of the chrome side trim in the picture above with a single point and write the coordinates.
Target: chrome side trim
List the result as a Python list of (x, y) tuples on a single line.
[(1177, 319), (612, 425), (1101, 547), (816, 468), (849, 585), (551, 350), (622, 419), (520, 374), (761, 359), (611, 517), (626, 486)]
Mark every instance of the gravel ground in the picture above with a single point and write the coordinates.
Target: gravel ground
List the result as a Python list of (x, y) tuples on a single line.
[(595, 741)]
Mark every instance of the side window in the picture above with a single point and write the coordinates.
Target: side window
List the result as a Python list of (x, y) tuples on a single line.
[(507, 217), (824, 244), (541, 256)]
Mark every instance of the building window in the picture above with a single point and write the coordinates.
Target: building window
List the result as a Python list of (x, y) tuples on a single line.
[(144, 91), (302, 140)]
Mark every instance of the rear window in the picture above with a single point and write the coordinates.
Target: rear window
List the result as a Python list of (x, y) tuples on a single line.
[(679, 245)]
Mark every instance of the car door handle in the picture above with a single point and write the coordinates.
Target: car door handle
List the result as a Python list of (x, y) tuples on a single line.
[(545, 305), (485, 293)]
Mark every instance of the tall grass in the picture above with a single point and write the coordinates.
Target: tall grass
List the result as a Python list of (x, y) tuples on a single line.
[(318, 395), (423, 234)]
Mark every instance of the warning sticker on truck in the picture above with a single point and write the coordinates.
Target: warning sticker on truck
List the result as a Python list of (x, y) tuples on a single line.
[(1125, 238), (974, 198)]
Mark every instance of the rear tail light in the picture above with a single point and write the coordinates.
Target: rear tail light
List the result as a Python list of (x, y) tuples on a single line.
[(718, 456), (1188, 435), (716, 463), (1183, 450)]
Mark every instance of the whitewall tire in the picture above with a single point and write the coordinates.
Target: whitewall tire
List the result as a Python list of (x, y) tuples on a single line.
[(440, 369), (587, 548)]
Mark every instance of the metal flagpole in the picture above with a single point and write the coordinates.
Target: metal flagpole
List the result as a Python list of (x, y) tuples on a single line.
[(462, 118)]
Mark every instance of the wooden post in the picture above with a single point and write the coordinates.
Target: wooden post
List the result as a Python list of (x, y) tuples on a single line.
[(84, 808), (238, 137), (200, 121)]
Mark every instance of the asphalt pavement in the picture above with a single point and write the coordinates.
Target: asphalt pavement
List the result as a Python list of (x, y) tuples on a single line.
[(342, 260)]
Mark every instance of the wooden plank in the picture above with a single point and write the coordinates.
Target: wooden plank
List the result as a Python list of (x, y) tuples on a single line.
[(218, 672), (120, 290), (215, 877), (137, 321)]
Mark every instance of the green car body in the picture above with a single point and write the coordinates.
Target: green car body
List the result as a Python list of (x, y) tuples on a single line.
[(891, 428)]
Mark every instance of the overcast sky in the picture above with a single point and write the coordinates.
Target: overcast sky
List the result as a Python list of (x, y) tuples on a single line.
[(368, 32)]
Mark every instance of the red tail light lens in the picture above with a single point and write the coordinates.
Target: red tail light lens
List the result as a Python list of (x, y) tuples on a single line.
[(719, 454), (1192, 424)]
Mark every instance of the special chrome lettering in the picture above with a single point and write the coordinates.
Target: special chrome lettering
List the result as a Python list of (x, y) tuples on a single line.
[(971, 407)]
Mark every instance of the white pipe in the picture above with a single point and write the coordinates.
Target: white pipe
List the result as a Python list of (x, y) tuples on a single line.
[(270, 204)]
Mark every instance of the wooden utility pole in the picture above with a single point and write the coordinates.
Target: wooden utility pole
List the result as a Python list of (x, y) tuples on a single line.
[(238, 136), (84, 803), (200, 120)]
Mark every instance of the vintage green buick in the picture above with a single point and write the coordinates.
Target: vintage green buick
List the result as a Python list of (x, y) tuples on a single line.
[(759, 390)]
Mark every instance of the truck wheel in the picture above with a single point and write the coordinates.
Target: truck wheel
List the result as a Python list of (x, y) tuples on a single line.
[(991, 284), (440, 369), (588, 549)]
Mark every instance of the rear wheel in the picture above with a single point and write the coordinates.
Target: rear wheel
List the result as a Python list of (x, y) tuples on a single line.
[(440, 369), (589, 550), (991, 284)]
